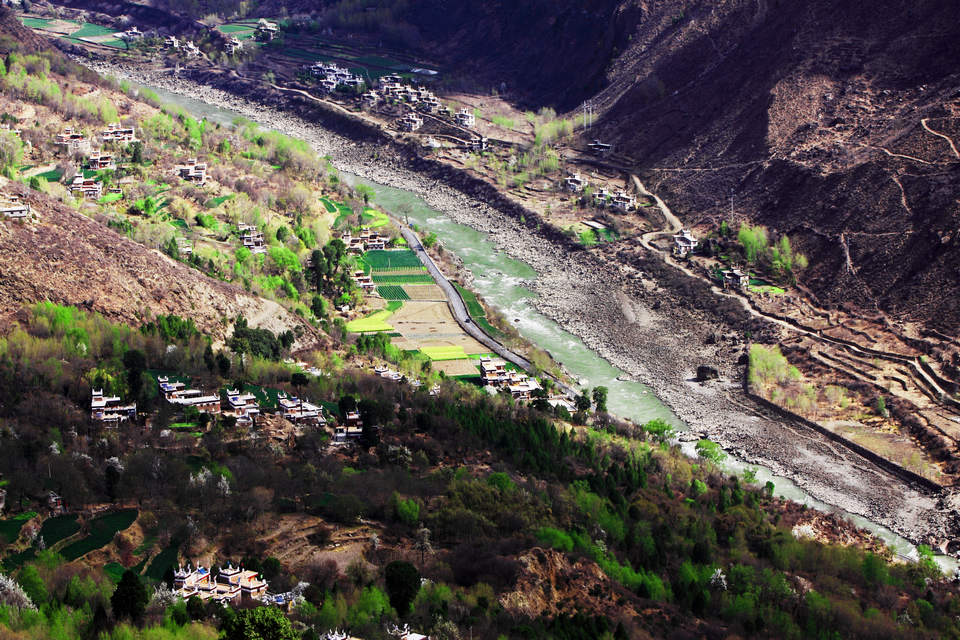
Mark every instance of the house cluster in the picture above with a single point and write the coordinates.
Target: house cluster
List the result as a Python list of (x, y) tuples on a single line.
[(495, 375), (391, 87), (242, 406), (410, 122), (266, 30), (89, 188), (118, 133), (178, 393), (363, 281), (620, 200), (110, 409), (13, 207), (184, 248), (735, 279), (234, 44), (684, 243), (350, 429), (252, 238), (300, 411), (192, 50), (131, 35), (232, 585), (192, 171), (600, 148), (72, 140), (367, 240), (171, 42), (386, 372), (332, 77), (99, 160), (465, 118)]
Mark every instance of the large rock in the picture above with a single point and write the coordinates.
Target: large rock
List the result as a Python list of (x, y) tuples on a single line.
[(707, 372)]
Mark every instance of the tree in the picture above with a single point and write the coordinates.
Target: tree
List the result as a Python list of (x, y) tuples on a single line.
[(422, 543), (262, 623), (136, 152), (223, 364), (582, 402), (600, 399), (130, 598), (135, 362), (660, 429), (403, 584)]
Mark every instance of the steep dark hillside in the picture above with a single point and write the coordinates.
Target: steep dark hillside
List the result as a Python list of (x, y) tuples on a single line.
[(834, 123)]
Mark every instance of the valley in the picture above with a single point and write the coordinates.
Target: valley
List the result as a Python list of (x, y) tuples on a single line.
[(356, 264)]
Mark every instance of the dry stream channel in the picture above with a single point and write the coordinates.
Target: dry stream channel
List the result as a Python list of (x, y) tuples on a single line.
[(500, 280)]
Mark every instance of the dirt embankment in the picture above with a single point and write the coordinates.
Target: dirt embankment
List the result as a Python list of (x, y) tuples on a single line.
[(641, 315), (71, 259)]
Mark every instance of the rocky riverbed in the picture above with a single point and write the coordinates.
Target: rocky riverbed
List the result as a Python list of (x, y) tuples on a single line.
[(640, 326)]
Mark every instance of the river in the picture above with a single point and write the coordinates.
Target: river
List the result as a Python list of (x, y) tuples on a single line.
[(500, 280)]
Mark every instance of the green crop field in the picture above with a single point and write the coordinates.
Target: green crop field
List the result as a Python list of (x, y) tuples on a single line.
[(161, 562), (328, 205), (59, 528), (36, 23), (376, 321), (110, 197), (390, 260), (116, 44), (235, 27), (10, 528), (392, 292), (90, 30), (411, 278), (53, 175), (374, 218), (445, 353), (102, 530), (114, 571), (212, 203), (474, 308)]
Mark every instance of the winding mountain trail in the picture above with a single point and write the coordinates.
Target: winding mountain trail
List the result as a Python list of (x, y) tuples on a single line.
[(953, 147)]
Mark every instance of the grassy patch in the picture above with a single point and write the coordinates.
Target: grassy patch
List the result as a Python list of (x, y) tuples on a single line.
[(394, 305), (212, 203), (392, 292), (102, 530), (474, 308), (183, 426), (374, 218), (110, 197), (588, 238), (374, 322), (445, 353), (767, 288), (411, 278), (182, 224), (389, 260), (114, 571)]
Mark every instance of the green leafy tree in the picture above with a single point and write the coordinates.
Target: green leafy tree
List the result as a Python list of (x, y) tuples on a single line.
[(403, 584), (130, 598), (262, 623), (135, 362), (600, 399)]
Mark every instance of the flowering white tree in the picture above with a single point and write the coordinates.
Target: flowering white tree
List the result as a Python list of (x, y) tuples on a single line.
[(13, 595)]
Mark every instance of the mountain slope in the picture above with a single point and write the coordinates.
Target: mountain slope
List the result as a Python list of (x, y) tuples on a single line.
[(71, 259), (835, 124)]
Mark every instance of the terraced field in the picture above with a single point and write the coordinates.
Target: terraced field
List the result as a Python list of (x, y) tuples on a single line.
[(392, 292), (102, 530), (393, 260)]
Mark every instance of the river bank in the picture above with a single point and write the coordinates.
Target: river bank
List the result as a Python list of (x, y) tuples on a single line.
[(647, 330)]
